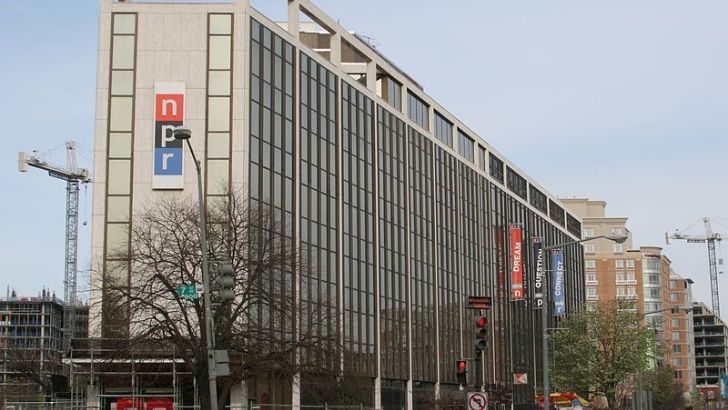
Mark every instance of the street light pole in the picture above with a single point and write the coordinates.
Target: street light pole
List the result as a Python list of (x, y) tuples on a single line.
[(182, 133), (544, 312)]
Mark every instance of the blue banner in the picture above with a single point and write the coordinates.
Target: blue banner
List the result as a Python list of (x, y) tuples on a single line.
[(557, 267)]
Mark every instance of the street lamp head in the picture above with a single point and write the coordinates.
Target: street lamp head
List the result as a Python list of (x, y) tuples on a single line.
[(616, 238), (181, 133)]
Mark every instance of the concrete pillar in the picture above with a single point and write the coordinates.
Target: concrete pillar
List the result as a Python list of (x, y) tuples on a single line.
[(336, 49), (372, 76), (296, 392), (408, 395), (93, 401), (239, 396), (378, 393), (294, 17)]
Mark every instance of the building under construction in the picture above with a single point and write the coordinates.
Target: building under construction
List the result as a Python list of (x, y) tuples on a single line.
[(31, 339)]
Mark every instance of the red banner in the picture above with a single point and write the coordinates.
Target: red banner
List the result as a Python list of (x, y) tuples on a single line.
[(516, 262)]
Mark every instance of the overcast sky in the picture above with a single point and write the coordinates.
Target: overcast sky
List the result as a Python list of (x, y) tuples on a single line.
[(614, 100)]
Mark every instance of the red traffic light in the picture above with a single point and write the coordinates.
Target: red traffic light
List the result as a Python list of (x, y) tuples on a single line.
[(481, 333), (462, 366)]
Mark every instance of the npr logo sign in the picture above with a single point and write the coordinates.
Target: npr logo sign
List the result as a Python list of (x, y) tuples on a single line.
[(169, 112)]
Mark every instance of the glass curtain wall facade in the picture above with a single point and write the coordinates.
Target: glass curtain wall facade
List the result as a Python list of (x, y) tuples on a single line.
[(421, 229)]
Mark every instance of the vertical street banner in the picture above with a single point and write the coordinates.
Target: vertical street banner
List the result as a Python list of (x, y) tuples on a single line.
[(557, 265), (650, 351), (538, 280), (516, 235), (500, 279), (168, 153)]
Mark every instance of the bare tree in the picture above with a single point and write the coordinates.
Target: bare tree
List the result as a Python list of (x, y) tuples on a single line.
[(33, 370), (261, 326)]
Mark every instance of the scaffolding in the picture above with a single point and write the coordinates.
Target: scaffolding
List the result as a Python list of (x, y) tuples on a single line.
[(105, 371)]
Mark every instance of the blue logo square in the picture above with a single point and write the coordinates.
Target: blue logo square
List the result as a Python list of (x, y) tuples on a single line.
[(168, 161)]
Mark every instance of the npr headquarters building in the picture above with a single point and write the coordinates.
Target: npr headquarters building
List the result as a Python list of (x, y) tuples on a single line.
[(406, 209)]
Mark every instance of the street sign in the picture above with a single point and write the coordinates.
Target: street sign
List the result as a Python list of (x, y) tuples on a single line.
[(191, 291), (479, 302), (520, 378), (222, 362), (477, 401)]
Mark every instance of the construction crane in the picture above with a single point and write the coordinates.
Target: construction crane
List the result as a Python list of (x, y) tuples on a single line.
[(711, 238), (73, 176)]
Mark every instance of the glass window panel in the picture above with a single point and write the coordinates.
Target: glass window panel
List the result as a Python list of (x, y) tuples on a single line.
[(117, 240), (123, 52), (117, 270), (254, 182), (120, 145), (218, 172), (255, 89), (266, 37), (119, 177), (124, 23), (122, 82), (218, 114), (255, 59), (121, 109), (219, 53), (219, 83), (217, 202), (221, 23), (255, 30), (266, 65), (117, 209), (218, 145)]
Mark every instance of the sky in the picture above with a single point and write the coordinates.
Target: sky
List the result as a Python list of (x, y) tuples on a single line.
[(611, 100)]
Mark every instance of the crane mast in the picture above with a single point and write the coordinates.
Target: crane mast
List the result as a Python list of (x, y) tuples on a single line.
[(74, 177), (710, 237)]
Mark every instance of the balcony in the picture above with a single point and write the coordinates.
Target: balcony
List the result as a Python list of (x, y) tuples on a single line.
[(709, 354), (627, 297)]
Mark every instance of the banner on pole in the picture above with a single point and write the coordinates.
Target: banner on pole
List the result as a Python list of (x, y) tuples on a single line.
[(500, 279), (538, 280), (516, 234), (557, 264)]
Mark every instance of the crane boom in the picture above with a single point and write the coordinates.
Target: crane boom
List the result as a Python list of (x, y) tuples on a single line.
[(73, 177), (710, 237)]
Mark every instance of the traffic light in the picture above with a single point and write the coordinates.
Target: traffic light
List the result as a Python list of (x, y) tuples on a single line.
[(481, 333), (462, 372), (226, 282)]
